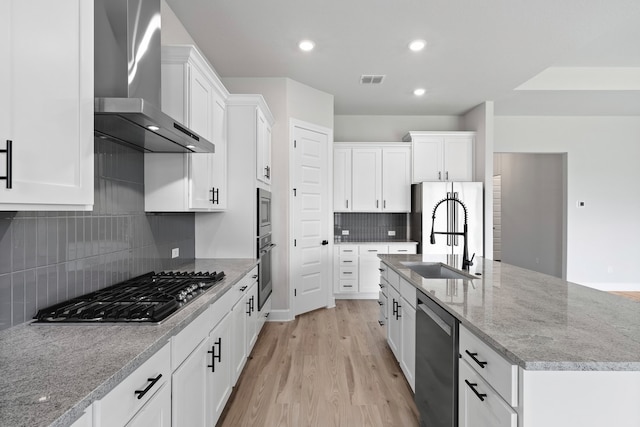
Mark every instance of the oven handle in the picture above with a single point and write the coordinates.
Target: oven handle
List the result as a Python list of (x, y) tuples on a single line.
[(267, 248)]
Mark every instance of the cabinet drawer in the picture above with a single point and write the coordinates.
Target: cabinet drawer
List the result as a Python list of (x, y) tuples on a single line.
[(384, 268), (346, 261), (382, 302), (221, 307), (492, 411), (188, 339), (122, 403), (349, 273), (402, 249), (408, 292), (348, 285), (373, 250), (348, 250), (492, 367), (393, 279)]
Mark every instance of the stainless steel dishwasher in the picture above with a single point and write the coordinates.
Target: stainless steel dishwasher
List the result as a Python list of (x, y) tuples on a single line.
[(436, 393)]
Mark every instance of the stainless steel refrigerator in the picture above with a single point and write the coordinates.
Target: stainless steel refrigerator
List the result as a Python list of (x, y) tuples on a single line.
[(449, 216)]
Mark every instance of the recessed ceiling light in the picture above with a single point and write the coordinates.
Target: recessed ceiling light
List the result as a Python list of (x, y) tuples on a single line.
[(306, 45), (153, 128), (419, 92), (191, 146), (417, 45)]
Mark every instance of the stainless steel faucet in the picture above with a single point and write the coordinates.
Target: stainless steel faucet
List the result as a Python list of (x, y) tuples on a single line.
[(466, 262)]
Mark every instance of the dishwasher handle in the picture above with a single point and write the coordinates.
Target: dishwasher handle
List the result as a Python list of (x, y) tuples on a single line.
[(432, 314)]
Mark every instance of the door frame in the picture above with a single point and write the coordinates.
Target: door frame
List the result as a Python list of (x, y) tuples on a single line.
[(293, 123)]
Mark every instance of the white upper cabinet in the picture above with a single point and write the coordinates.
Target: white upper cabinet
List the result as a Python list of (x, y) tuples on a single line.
[(193, 95), (46, 105), (442, 156), (370, 177), (396, 179), (263, 148), (342, 180), (366, 179)]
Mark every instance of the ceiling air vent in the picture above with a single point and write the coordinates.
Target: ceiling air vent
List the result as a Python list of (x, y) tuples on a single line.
[(371, 79)]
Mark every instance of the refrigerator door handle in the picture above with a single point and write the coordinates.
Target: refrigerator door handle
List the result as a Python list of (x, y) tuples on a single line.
[(455, 219), (449, 218)]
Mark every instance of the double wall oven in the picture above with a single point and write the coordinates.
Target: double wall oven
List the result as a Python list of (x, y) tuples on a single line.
[(264, 246)]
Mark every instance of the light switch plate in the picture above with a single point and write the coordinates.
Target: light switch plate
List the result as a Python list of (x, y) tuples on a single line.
[(391, 233), (175, 252), (345, 232)]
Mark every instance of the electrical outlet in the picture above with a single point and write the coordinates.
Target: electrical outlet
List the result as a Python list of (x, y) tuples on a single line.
[(345, 232), (391, 233), (175, 252)]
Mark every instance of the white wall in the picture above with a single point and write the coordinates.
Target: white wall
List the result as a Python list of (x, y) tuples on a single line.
[(350, 128), (173, 32), (603, 156), (480, 119)]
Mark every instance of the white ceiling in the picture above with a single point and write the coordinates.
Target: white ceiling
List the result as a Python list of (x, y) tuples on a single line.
[(477, 50)]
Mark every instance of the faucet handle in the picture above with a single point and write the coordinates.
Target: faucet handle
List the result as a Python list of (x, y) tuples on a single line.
[(471, 259)]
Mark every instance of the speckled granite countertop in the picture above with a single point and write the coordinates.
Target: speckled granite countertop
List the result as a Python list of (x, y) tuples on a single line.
[(538, 322), (49, 374)]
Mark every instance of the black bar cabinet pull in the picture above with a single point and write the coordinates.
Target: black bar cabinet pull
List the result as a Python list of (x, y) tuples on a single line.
[(249, 307), (395, 308), (216, 196), (473, 386), (153, 382), (9, 158), (398, 307), (215, 356), (243, 288), (475, 359)]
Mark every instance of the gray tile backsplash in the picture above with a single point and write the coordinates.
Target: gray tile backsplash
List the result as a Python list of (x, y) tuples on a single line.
[(49, 257), (370, 227)]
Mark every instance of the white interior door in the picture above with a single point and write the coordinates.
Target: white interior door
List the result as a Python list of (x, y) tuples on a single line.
[(310, 261)]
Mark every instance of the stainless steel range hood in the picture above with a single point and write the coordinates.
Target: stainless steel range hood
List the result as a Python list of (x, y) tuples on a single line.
[(128, 80)]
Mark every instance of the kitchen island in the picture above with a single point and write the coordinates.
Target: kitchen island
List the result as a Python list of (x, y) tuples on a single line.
[(49, 374), (576, 350)]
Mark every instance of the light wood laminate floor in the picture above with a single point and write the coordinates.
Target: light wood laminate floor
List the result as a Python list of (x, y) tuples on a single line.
[(631, 295), (330, 367)]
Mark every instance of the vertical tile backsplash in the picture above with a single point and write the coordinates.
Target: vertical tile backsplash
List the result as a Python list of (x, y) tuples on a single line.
[(370, 227), (48, 257)]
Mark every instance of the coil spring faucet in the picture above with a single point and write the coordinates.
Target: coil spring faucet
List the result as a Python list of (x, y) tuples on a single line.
[(466, 262)]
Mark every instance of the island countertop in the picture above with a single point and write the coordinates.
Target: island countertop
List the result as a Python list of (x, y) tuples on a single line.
[(536, 321), (50, 373)]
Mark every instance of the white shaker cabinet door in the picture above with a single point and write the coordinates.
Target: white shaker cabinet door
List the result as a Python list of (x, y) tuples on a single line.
[(342, 179), (396, 179), (428, 156), (189, 406), (46, 105), (156, 412), (366, 179), (458, 158)]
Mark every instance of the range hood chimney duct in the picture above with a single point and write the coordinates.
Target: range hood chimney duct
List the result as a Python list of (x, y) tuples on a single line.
[(128, 80)]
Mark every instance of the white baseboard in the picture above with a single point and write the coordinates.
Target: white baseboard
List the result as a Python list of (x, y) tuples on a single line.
[(357, 295), (280, 316), (609, 287)]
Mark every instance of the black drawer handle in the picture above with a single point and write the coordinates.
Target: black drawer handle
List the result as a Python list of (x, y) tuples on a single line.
[(380, 303), (153, 382), (215, 356), (381, 322), (475, 359), (382, 269), (346, 260), (473, 386), (242, 289), (255, 276)]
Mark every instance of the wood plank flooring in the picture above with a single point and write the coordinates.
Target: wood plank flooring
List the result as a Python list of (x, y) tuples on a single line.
[(330, 367), (632, 295)]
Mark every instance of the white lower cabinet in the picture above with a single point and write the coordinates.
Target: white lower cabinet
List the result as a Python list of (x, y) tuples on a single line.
[(188, 382), (127, 402), (401, 320), (408, 341), (356, 273), (85, 420), (479, 405)]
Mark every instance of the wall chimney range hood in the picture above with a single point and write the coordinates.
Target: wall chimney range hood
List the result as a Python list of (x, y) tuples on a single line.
[(128, 82)]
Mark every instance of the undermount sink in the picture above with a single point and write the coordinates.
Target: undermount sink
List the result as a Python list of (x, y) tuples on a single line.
[(436, 270)]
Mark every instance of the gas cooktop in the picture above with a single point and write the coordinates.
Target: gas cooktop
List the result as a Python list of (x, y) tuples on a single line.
[(150, 298)]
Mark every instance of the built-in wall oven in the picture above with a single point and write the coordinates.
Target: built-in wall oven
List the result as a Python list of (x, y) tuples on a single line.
[(265, 246)]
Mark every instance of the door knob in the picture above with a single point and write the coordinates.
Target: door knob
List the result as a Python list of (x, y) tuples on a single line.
[(325, 242)]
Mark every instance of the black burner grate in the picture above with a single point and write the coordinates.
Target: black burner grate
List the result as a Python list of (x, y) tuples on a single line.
[(151, 297)]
